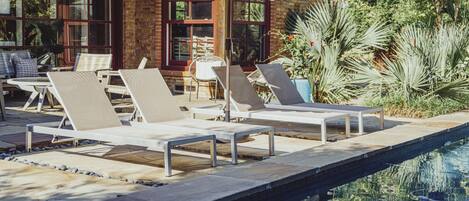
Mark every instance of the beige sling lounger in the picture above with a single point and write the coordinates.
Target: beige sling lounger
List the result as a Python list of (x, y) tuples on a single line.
[(156, 105), (246, 104), (92, 117), (289, 98)]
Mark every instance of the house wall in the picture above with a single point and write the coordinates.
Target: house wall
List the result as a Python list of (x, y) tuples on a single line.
[(142, 32), (279, 11), (143, 37)]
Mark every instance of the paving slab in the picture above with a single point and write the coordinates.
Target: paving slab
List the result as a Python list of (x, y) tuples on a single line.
[(210, 187), (460, 117), (127, 162), (273, 173), (398, 136), (23, 182), (328, 156)]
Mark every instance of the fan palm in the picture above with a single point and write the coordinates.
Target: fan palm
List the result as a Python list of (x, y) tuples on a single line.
[(323, 42), (427, 63)]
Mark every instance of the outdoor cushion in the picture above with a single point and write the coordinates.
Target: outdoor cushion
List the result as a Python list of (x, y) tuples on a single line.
[(25, 67), (7, 67)]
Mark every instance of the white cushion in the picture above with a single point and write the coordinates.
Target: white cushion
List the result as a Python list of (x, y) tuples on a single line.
[(204, 69)]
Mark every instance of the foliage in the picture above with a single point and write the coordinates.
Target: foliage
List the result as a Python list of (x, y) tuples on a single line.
[(427, 64), (400, 13), (419, 107), (323, 42)]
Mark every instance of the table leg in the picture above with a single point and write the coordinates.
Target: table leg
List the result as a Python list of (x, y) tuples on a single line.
[(31, 98)]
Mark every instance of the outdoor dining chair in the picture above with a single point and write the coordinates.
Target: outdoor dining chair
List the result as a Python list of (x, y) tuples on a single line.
[(201, 71)]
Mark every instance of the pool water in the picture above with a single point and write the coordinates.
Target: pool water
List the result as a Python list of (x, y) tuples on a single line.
[(439, 175)]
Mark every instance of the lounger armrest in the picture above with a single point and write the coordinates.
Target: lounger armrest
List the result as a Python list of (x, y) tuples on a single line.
[(63, 68), (175, 128)]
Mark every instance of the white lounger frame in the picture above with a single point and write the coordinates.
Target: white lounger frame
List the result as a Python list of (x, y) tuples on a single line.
[(154, 82), (219, 112), (52, 129), (359, 114)]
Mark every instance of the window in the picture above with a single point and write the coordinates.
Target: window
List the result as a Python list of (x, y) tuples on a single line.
[(190, 33), (28, 24), (44, 25), (87, 27), (249, 31)]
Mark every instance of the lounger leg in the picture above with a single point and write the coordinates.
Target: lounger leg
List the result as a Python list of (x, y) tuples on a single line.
[(42, 95), (216, 91), (31, 98), (190, 91), (197, 91), (361, 129), (323, 133), (213, 151), (347, 126), (234, 151), (381, 119), (271, 143), (29, 139), (75, 143), (167, 160)]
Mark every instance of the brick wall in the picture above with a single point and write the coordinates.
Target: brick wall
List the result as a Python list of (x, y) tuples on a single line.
[(143, 35), (278, 14), (142, 32)]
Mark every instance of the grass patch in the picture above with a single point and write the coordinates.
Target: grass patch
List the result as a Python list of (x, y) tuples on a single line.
[(417, 107)]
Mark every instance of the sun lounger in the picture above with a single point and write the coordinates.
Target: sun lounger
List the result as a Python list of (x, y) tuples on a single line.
[(289, 98), (156, 105), (246, 104), (92, 117)]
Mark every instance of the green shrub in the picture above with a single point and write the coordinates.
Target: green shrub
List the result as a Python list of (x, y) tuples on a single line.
[(419, 107)]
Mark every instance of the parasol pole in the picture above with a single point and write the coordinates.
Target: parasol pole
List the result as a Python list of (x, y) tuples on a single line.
[(228, 57)]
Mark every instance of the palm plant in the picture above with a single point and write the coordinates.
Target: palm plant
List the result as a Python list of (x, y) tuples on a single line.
[(323, 42), (427, 64)]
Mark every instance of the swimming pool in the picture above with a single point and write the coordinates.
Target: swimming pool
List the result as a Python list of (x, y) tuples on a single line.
[(442, 174)]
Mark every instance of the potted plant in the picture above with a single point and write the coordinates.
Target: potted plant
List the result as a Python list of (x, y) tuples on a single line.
[(297, 64)]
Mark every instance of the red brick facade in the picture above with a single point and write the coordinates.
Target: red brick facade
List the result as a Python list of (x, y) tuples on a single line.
[(143, 27), (142, 32)]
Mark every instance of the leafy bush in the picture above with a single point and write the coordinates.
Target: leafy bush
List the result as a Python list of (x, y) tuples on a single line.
[(410, 12), (427, 73), (396, 105), (323, 42)]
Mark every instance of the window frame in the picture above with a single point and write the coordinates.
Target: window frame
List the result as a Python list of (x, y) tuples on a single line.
[(63, 38), (64, 13), (265, 37), (168, 62)]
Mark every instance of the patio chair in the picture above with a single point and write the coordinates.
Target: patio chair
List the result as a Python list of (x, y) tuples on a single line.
[(89, 62), (289, 98), (203, 73), (92, 116), (156, 106), (2, 102), (119, 89), (247, 104)]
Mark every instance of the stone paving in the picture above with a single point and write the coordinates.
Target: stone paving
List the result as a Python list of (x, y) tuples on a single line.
[(126, 164), (249, 180)]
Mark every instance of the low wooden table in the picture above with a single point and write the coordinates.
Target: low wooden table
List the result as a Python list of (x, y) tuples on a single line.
[(38, 86)]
